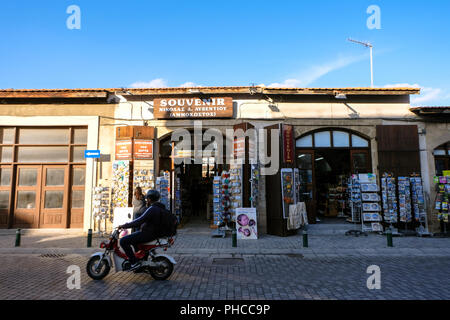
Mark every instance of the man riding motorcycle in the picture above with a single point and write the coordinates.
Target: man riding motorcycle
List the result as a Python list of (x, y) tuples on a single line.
[(149, 223)]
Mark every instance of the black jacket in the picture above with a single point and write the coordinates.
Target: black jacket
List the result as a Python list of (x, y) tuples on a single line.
[(149, 221)]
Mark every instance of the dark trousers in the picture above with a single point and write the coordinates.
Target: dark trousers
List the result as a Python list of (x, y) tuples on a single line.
[(133, 240)]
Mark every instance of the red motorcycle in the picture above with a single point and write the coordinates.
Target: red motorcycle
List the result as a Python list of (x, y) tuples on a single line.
[(159, 266)]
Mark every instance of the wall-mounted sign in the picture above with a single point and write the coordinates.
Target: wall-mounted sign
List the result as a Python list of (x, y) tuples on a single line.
[(193, 108), (143, 149), (92, 154), (288, 143), (124, 149)]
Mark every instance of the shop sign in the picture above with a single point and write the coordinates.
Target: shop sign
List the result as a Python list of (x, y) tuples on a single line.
[(143, 149), (124, 149), (288, 143), (193, 108)]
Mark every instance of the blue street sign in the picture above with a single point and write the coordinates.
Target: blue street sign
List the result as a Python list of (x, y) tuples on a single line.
[(92, 153)]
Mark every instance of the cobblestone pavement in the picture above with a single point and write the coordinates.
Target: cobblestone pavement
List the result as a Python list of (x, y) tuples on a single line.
[(200, 277)]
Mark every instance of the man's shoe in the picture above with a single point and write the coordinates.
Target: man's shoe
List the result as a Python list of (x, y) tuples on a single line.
[(135, 266)]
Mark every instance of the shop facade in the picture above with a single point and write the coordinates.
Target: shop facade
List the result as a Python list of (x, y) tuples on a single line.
[(329, 134)]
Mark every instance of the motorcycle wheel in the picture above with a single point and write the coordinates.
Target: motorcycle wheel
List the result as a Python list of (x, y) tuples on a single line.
[(103, 270), (163, 271)]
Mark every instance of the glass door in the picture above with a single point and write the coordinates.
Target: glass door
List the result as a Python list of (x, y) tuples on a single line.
[(53, 199), (360, 161), (27, 200), (5, 194), (305, 164)]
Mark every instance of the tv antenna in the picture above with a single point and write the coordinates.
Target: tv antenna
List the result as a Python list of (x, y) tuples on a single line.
[(370, 46)]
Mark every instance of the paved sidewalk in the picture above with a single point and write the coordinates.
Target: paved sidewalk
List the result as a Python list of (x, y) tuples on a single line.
[(195, 239)]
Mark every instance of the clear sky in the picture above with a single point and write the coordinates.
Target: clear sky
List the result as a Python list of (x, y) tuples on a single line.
[(226, 43)]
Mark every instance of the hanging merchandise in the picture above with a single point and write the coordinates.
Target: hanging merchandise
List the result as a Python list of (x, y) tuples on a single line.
[(441, 204), (354, 188), (143, 176), (254, 185), (226, 199), (162, 186), (102, 206), (371, 209), (177, 202), (418, 204), (287, 190), (217, 201), (235, 189), (404, 202), (121, 184)]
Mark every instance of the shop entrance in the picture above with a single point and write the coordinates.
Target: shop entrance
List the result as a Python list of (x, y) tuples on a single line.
[(190, 183), (325, 160)]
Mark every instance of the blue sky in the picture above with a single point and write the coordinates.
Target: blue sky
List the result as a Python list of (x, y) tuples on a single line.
[(226, 43)]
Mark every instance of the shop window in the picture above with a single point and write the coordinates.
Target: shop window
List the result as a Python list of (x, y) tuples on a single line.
[(26, 200), (442, 158), (80, 136), (322, 139), (440, 152), (78, 176), (4, 199), (78, 154), (6, 154), (7, 135), (305, 142), (358, 142), (78, 199), (44, 136), (42, 154), (55, 177), (28, 177), (54, 199), (341, 139), (5, 177)]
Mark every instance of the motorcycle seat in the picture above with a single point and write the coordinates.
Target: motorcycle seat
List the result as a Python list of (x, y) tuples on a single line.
[(162, 241)]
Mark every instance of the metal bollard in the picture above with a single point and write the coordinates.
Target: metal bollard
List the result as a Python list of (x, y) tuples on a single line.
[(389, 238), (305, 239), (234, 238), (89, 238), (18, 238)]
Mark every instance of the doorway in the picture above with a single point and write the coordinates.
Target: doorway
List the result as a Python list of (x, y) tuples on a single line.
[(325, 160)]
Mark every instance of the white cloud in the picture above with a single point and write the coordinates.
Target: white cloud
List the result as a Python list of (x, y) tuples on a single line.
[(188, 85), (427, 94), (316, 72), (155, 83)]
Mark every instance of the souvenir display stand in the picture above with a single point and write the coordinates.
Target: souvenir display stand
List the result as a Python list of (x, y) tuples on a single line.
[(177, 199), (354, 188), (222, 204), (287, 189), (418, 205), (441, 203), (236, 185), (389, 200), (162, 186), (217, 201), (254, 185), (143, 176), (404, 204), (102, 206), (370, 199)]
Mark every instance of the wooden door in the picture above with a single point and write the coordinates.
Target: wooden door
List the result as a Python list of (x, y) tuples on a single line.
[(53, 197), (27, 197), (77, 189), (305, 164)]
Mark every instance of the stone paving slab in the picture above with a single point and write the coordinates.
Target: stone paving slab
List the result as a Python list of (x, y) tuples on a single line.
[(277, 277)]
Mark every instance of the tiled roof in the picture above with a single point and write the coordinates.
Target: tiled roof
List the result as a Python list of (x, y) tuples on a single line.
[(103, 92)]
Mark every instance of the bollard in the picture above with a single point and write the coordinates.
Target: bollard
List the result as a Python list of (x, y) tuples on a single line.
[(18, 238), (89, 238), (234, 238), (305, 239), (389, 238)]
